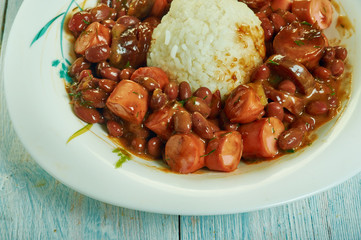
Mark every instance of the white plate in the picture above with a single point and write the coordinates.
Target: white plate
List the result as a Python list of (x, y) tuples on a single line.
[(41, 114)]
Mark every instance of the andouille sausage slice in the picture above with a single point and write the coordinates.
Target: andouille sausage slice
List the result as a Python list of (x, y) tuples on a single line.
[(260, 137), (300, 42), (313, 11), (294, 70), (153, 72), (224, 152), (160, 121), (94, 34), (243, 105), (184, 153), (281, 4), (129, 100)]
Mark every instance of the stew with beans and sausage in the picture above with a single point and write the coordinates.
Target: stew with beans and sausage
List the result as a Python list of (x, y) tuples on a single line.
[(295, 90)]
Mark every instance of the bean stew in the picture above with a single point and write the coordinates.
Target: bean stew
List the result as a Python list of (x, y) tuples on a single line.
[(295, 91)]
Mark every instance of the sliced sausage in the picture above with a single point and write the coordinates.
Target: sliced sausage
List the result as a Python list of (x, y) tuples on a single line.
[(140, 8), (300, 42), (243, 105), (94, 34), (161, 120), (260, 137), (314, 11), (129, 100), (153, 72), (184, 153), (224, 152), (281, 4), (293, 70)]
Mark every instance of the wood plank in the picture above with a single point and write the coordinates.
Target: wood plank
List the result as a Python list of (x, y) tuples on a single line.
[(33, 205), (334, 214)]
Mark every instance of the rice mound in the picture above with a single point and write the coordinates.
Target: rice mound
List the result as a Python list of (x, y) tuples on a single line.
[(209, 43)]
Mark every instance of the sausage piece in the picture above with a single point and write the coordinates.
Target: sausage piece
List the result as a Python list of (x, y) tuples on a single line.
[(161, 121), (294, 70), (94, 34), (243, 105), (313, 11), (129, 100), (260, 137), (184, 153), (300, 42), (224, 152)]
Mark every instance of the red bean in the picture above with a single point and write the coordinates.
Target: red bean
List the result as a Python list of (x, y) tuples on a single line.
[(158, 99), (289, 17), (115, 129), (100, 66), (108, 23), (201, 126), (337, 67), (290, 139), (182, 122), (340, 53), (171, 89), (109, 115), (305, 123), (110, 73), (97, 53), (287, 86), (262, 73), (185, 91), (103, 12), (138, 130), (216, 104), (126, 73), (196, 104), (138, 144), (274, 109), (329, 55), (322, 73), (205, 94), (155, 147), (107, 85), (268, 28), (149, 83), (83, 74), (289, 117), (89, 115), (317, 108), (78, 65), (128, 21), (87, 83), (79, 22), (278, 21), (94, 97)]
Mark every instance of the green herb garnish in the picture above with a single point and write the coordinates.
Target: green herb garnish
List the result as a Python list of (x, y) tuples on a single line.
[(224, 134), (124, 156), (85, 21), (209, 153), (273, 62), (290, 150), (306, 23), (127, 65), (299, 42), (80, 132)]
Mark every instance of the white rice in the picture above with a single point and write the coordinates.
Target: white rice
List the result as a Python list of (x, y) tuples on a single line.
[(212, 43)]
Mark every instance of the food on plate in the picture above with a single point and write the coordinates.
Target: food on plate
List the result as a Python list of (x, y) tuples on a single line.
[(207, 84)]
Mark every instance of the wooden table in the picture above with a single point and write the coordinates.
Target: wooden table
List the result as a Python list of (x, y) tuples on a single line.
[(33, 205)]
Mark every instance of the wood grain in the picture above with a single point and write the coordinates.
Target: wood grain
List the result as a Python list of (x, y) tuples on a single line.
[(33, 205)]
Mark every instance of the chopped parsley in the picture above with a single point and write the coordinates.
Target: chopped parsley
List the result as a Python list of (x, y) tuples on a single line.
[(299, 43), (273, 62), (224, 134), (124, 156), (209, 153), (290, 150), (306, 23), (85, 21)]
